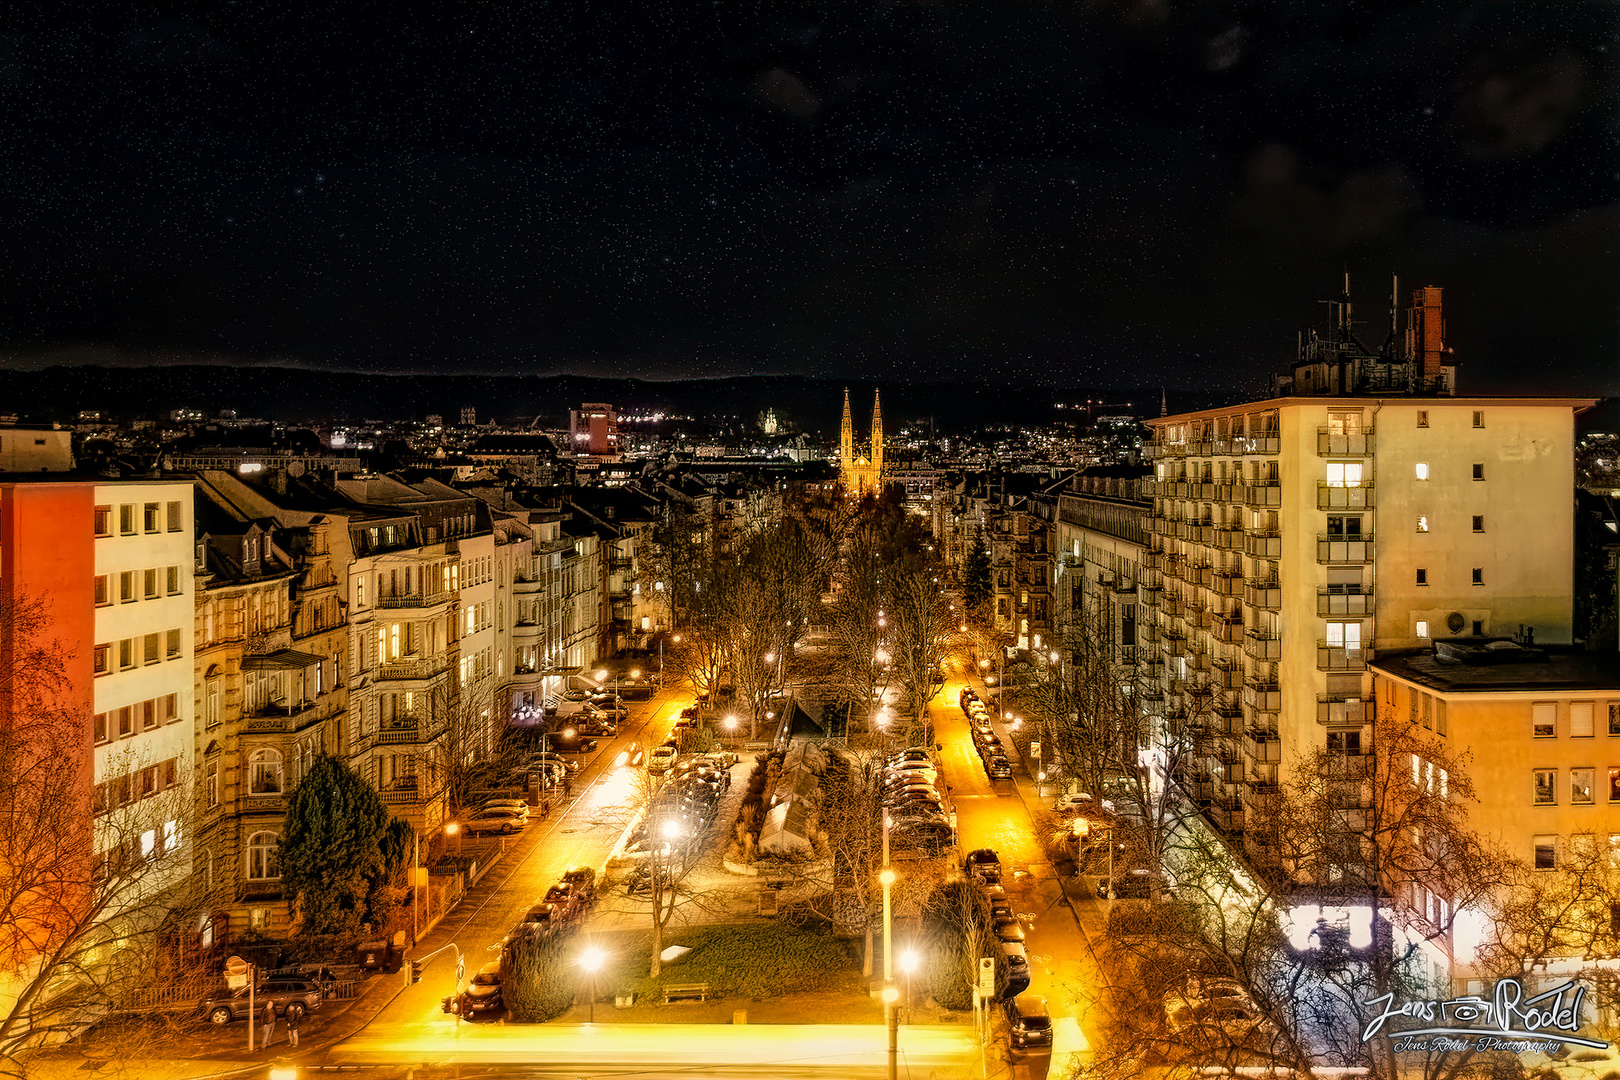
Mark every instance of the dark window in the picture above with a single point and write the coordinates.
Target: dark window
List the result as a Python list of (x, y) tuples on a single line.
[(1423, 418), (1479, 470), (1479, 418), (103, 521), (1422, 576), (1479, 578), (1479, 522)]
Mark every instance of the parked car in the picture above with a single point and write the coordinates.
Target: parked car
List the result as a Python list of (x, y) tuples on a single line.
[(573, 744), (565, 900), (914, 753), (583, 881), (662, 758), (640, 882), (483, 994), (1135, 884), (1008, 930), (607, 710), (980, 859), (494, 821), (1017, 969), (720, 759), (298, 996), (1078, 803), (632, 754), (927, 837), (547, 916), (575, 694), (520, 807), (539, 758), (1029, 1025), (999, 768)]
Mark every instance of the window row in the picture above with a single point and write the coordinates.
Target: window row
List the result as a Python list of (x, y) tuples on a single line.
[(134, 853), (127, 586), (1478, 418), (1581, 783), (130, 720), (121, 791), (476, 617), (1581, 714), (150, 517), (1582, 850), (1478, 527), (1421, 469), (133, 652)]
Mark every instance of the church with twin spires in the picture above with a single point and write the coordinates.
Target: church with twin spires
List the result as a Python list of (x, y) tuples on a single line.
[(861, 475)]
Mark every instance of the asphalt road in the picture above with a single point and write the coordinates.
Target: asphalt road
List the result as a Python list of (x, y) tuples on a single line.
[(581, 833)]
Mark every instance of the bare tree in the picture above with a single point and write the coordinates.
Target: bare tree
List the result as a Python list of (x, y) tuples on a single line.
[(920, 620), (89, 875)]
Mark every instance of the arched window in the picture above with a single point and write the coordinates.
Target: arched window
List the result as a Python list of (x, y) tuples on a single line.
[(264, 772), (264, 856)]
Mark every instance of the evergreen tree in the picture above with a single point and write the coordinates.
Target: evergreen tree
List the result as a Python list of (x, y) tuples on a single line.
[(538, 977), (332, 857), (976, 582)]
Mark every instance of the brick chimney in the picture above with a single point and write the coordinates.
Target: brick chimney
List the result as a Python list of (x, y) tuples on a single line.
[(1424, 346)]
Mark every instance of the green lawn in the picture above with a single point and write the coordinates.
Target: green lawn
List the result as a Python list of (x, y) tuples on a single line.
[(748, 961)]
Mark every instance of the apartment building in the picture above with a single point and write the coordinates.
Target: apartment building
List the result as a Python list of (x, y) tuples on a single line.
[(271, 682), (1100, 542), (1540, 728)]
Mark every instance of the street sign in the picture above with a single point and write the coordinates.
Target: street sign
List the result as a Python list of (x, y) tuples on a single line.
[(987, 977), (1034, 749), (236, 973), (461, 969)]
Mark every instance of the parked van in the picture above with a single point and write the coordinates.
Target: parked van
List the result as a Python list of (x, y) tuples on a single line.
[(1029, 1025)]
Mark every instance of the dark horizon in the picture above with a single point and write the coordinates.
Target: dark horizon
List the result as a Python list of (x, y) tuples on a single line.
[(1129, 194)]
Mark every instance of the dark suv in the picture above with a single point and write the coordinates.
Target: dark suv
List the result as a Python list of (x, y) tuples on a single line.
[(289, 996)]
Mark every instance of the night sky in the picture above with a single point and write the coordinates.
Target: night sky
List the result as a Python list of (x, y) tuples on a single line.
[(1128, 193)]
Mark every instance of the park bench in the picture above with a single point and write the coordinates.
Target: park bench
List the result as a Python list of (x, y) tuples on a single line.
[(686, 992)]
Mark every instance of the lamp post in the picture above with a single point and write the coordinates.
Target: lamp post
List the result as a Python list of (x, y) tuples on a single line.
[(890, 994), (591, 961), (454, 829), (909, 961)]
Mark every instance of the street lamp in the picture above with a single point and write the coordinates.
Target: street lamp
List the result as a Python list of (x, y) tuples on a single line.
[(454, 829), (890, 996), (909, 962), (591, 961)]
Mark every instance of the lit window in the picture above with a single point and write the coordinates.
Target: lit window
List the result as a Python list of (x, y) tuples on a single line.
[(1423, 523), (264, 856), (264, 772), (1422, 470), (1422, 629), (1479, 418)]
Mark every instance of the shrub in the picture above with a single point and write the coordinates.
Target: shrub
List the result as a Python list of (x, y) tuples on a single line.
[(538, 977)]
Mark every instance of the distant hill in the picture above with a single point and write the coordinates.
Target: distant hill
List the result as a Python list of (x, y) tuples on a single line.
[(297, 395)]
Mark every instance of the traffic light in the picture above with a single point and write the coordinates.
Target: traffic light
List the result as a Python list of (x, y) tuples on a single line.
[(416, 971)]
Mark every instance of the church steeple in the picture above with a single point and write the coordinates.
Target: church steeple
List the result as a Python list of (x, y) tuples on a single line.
[(846, 438), (877, 436)]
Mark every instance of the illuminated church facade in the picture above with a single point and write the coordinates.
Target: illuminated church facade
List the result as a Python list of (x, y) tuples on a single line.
[(862, 474)]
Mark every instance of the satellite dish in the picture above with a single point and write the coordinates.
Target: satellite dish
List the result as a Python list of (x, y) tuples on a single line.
[(1455, 622), (295, 468)]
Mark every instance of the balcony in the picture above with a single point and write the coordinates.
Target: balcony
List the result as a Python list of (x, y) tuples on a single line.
[(1335, 548), (1340, 657), (276, 717), (1262, 746), (1227, 582), (426, 667), (1262, 695), (1229, 538), (409, 733), (1344, 712), (266, 803), (1228, 631), (1261, 645), (1331, 601), (1268, 443), (1262, 495), (1226, 814), (1344, 496), (1201, 574), (1337, 766), (1263, 593), (415, 600), (1330, 444), (1263, 544)]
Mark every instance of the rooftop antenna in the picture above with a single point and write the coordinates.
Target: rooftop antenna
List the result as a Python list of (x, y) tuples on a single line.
[(1164, 402)]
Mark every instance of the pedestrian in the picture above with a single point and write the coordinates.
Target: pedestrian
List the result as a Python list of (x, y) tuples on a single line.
[(269, 1022), (294, 1017), (727, 785)]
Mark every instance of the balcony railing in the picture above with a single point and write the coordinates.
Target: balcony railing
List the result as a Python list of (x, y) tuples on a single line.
[(1226, 814), (1262, 746), (1344, 496), (1262, 696), (1263, 545), (1335, 602), (1262, 494), (1256, 444), (1340, 657), (1264, 593), (1330, 444), (414, 668), (1336, 548), (1262, 646), (286, 717), (1344, 711), (1346, 766), (414, 600)]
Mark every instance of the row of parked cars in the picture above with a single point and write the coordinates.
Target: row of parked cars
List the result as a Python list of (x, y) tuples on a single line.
[(1029, 1025), (563, 906), (991, 751), (917, 815), (688, 801)]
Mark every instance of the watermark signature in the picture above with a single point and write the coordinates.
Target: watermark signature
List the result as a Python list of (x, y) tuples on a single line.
[(1507, 1020)]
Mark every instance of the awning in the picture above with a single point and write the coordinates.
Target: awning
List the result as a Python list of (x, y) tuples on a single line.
[(281, 659)]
